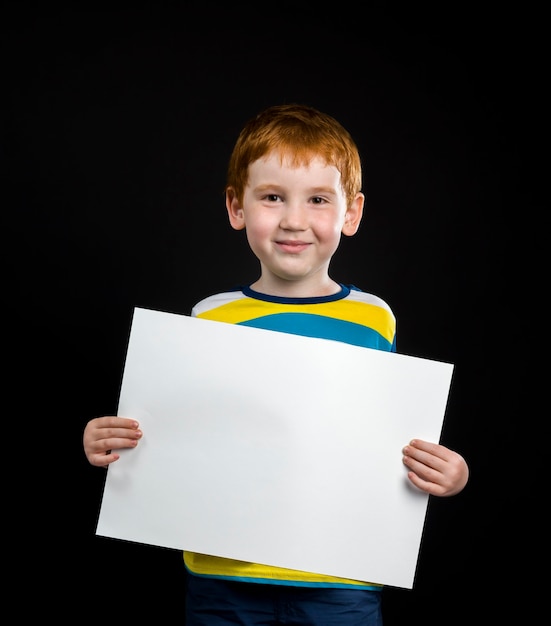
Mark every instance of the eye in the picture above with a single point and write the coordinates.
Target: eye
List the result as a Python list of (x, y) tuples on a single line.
[(317, 200), (272, 197)]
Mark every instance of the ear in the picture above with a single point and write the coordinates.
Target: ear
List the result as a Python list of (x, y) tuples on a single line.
[(353, 216), (235, 210)]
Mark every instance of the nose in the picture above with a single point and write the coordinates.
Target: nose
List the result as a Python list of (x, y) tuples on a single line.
[(294, 217)]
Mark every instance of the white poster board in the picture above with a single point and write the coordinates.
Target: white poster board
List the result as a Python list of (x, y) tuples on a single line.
[(273, 448)]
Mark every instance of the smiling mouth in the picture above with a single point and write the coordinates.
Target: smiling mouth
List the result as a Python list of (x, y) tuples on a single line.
[(292, 246)]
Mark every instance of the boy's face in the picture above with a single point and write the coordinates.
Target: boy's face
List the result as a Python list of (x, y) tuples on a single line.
[(294, 218)]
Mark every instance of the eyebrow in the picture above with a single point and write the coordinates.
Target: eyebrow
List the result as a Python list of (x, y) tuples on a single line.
[(318, 190), (313, 191)]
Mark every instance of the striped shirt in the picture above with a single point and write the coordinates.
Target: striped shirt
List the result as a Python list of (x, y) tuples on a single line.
[(351, 316)]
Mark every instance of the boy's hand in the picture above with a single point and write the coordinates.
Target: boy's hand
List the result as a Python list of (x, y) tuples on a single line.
[(104, 434), (435, 469)]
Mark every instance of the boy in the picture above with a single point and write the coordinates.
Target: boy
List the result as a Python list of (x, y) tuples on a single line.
[(294, 184)]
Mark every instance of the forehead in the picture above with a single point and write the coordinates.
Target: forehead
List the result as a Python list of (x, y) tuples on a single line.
[(293, 157), (276, 164)]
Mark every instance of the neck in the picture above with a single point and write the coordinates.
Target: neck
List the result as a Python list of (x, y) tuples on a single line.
[(295, 289)]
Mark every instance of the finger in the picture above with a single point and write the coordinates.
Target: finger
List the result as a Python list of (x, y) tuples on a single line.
[(427, 446), (423, 470), (115, 421), (114, 443), (420, 461), (429, 487), (105, 459), (118, 433)]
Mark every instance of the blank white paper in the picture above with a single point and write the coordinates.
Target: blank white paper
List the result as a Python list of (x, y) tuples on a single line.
[(273, 448)]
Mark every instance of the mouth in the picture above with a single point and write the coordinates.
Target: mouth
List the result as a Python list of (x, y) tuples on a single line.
[(291, 246)]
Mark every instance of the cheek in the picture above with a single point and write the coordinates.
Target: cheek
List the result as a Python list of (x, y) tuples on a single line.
[(329, 230), (261, 226), (258, 231)]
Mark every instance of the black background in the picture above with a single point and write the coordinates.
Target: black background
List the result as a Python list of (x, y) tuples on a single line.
[(117, 127)]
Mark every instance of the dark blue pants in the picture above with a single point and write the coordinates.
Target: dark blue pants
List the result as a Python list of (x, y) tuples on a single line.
[(211, 602)]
